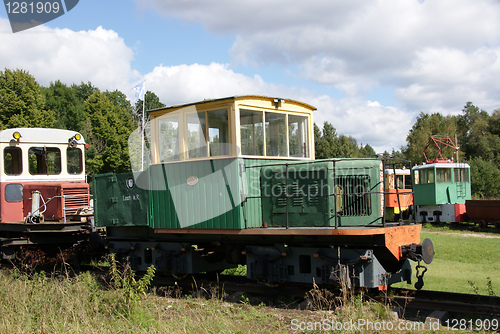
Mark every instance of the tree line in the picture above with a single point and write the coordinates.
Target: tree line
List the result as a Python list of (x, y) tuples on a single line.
[(328, 144), (106, 119)]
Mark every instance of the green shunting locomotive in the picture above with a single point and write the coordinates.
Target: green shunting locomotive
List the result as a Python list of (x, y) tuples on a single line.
[(234, 181)]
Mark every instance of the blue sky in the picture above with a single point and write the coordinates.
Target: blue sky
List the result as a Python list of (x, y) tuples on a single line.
[(155, 39), (370, 67)]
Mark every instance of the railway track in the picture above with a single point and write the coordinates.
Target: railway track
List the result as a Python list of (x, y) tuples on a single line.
[(397, 297), (445, 301)]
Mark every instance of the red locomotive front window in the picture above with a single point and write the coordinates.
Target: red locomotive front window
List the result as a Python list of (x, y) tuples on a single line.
[(74, 156), (44, 160), (12, 161), (14, 192)]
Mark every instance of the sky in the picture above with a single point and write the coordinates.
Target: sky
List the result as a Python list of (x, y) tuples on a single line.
[(369, 67)]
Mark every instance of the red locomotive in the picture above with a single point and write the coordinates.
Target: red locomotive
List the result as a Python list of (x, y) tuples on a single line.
[(44, 196)]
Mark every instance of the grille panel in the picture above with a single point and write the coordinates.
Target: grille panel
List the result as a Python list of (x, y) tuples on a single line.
[(75, 198), (354, 195)]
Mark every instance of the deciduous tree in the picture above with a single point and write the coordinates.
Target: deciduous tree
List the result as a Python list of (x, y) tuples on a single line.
[(107, 126), (63, 100), (22, 102)]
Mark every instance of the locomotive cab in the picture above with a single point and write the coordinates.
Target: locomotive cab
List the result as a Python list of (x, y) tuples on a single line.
[(247, 126)]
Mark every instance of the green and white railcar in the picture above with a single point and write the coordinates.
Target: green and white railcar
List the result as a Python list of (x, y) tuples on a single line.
[(440, 191)]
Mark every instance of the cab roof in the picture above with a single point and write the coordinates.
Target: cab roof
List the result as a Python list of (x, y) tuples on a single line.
[(39, 136), (234, 98)]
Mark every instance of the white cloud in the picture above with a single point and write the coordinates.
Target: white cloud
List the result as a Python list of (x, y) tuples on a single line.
[(383, 127), (99, 56), (190, 83), (441, 77), (248, 16)]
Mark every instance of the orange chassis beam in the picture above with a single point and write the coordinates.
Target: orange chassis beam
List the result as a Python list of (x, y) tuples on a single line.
[(394, 236)]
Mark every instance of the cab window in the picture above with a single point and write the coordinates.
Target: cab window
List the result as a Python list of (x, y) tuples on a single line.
[(297, 136), (44, 160), (12, 161), (422, 176), (169, 139), (196, 135), (251, 130), (275, 134), (14, 192), (461, 175), (407, 182), (218, 132), (443, 175), (75, 161), (430, 176), (400, 181)]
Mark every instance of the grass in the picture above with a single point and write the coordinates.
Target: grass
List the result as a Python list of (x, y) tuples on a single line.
[(40, 303), (83, 304), (465, 262)]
